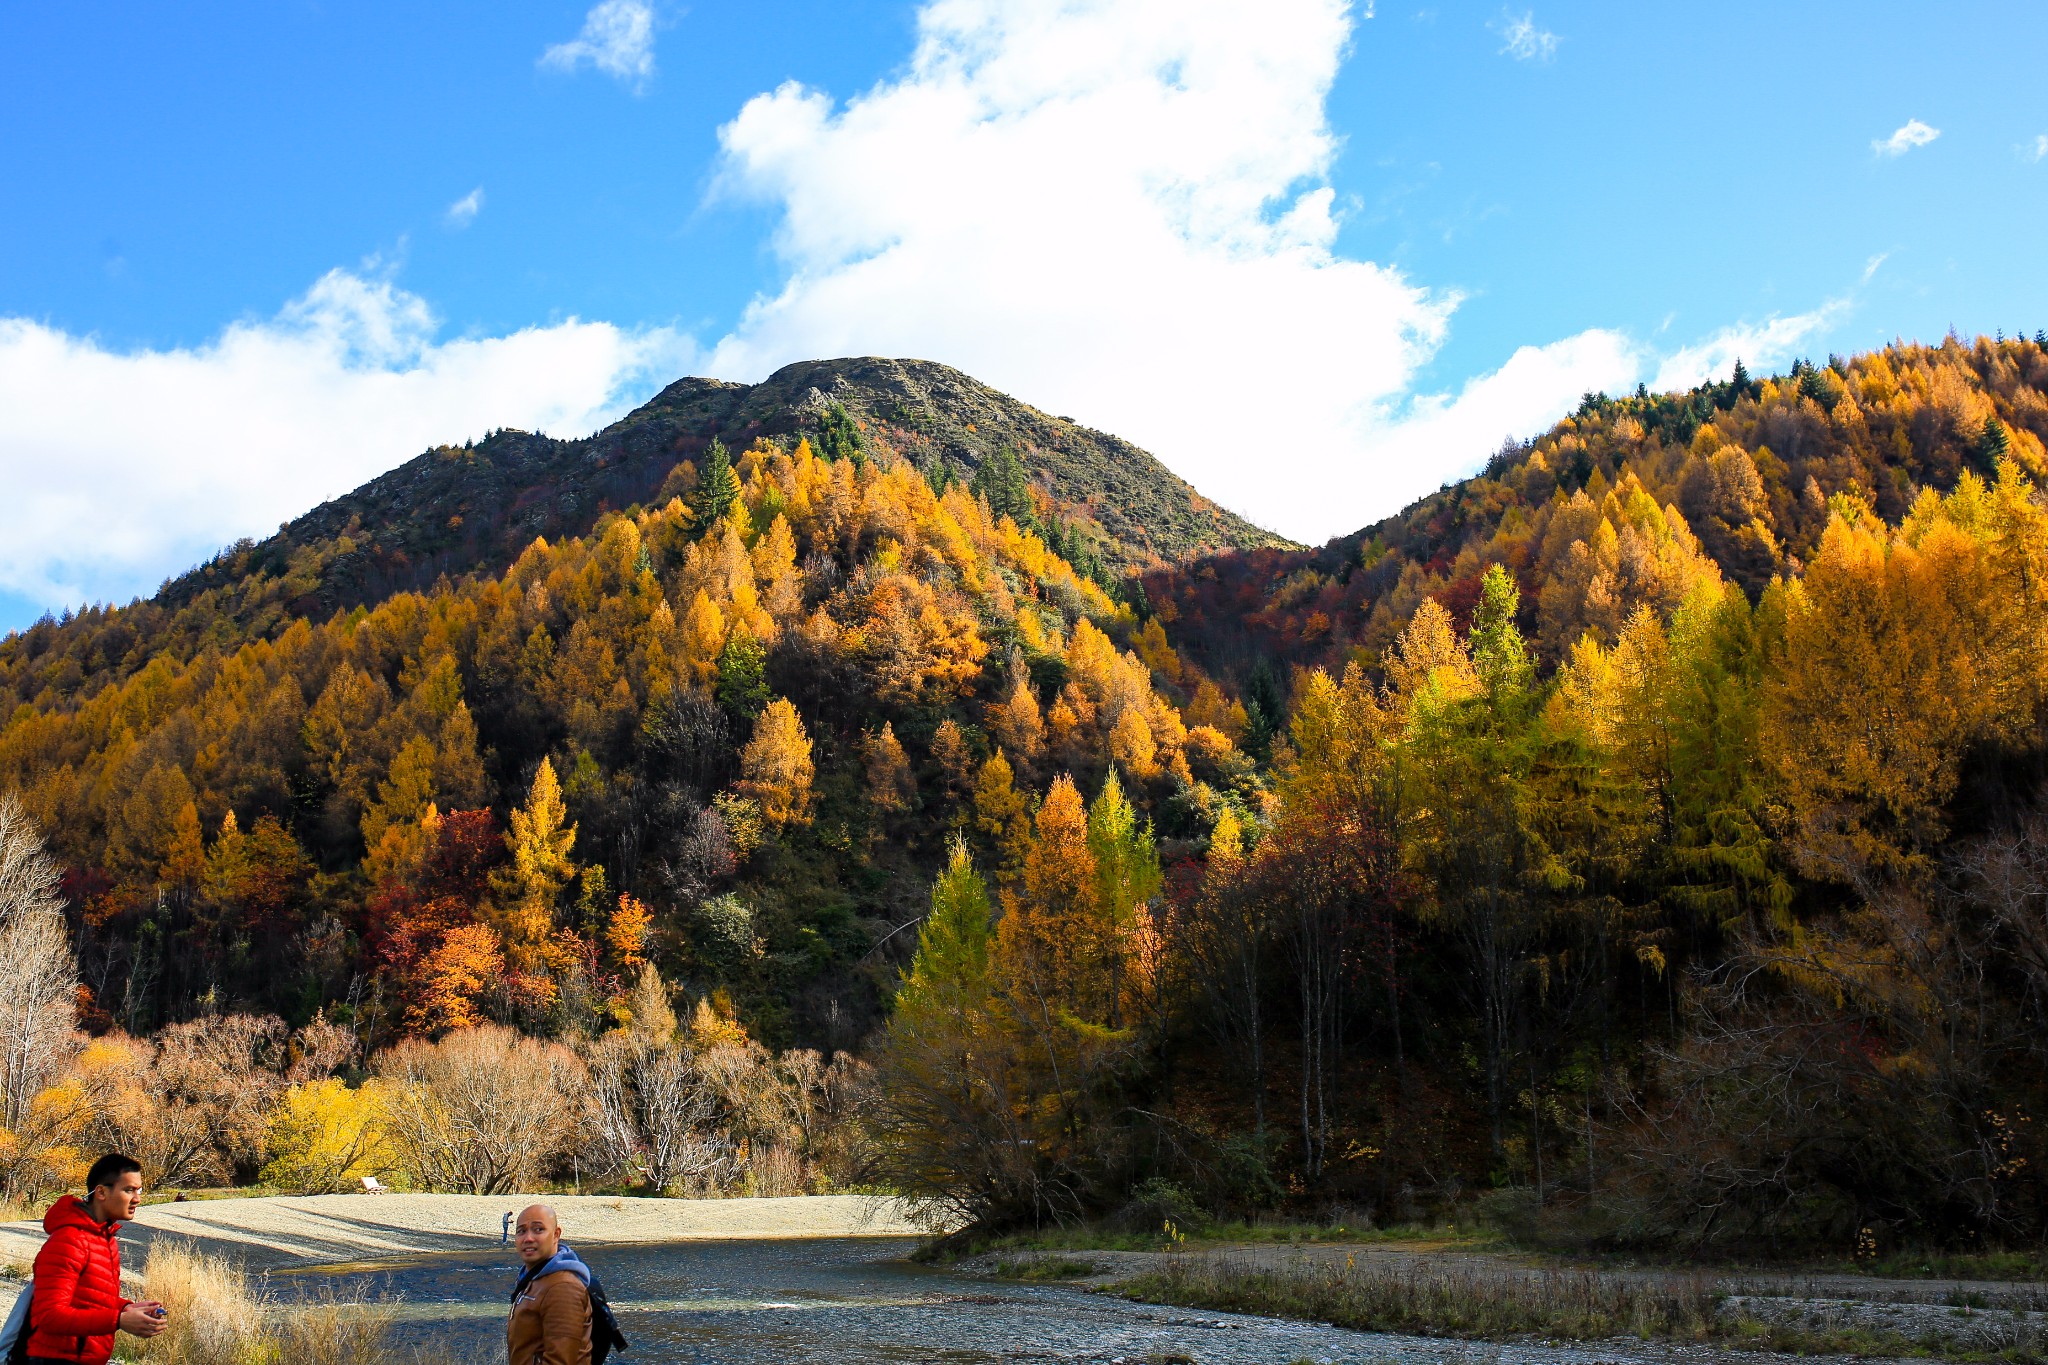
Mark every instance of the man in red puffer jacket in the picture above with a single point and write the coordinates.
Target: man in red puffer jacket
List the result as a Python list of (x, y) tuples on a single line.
[(78, 1306)]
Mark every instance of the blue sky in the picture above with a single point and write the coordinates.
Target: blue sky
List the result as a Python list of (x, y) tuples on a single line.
[(1318, 259)]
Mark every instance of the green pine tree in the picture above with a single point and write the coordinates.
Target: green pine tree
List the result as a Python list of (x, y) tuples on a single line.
[(717, 489), (1993, 445), (1497, 646), (742, 674), (1003, 482), (950, 973), (839, 438)]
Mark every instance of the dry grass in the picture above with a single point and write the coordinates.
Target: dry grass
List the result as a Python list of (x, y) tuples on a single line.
[(219, 1317), (1492, 1303), (1440, 1300)]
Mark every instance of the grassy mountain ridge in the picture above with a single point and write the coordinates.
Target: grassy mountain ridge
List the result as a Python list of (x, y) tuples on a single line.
[(456, 510), (461, 510)]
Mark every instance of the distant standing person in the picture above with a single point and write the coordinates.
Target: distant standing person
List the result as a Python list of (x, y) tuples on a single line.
[(550, 1323), (78, 1306)]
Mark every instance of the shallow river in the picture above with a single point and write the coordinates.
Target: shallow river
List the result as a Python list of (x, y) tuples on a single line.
[(738, 1303)]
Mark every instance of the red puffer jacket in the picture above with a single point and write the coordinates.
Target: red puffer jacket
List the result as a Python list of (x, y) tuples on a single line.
[(77, 1304)]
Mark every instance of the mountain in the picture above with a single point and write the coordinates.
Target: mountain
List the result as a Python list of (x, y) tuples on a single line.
[(458, 510), (1628, 501), (758, 701), (1650, 829)]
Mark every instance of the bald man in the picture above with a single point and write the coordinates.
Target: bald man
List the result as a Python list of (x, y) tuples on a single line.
[(550, 1323)]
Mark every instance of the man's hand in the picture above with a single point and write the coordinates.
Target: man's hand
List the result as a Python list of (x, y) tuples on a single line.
[(144, 1319)]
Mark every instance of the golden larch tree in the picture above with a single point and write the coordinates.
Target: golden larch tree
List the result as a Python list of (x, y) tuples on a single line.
[(527, 888), (776, 765), (891, 785)]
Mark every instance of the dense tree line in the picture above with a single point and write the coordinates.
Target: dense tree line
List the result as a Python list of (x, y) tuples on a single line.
[(1722, 929), (1623, 502), (729, 734)]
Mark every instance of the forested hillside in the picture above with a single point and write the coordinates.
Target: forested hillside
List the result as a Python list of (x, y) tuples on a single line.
[(1644, 838), (800, 679), (1629, 500), (457, 511), (1649, 837)]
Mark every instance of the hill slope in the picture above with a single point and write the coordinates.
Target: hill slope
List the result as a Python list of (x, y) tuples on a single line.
[(460, 510), (268, 810), (1623, 503)]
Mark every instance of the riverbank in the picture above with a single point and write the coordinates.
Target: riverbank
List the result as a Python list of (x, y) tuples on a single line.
[(282, 1232), (1491, 1296)]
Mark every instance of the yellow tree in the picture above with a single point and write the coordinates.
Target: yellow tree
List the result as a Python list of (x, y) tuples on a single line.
[(405, 793), (1899, 653), (453, 980), (891, 786), (1017, 724), (1048, 931), (955, 761), (626, 933), (1002, 815), (539, 841), (324, 1137), (703, 638), (776, 769)]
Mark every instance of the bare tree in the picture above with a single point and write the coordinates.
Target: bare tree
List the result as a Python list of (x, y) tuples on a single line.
[(655, 1109), (194, 1103), (38, 982), (484, 1110), (1224, 932)]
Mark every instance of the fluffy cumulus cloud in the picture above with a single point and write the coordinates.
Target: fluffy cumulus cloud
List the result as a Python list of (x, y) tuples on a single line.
[(1913, 133), (123, 467), (617, 39), (1120, 210)]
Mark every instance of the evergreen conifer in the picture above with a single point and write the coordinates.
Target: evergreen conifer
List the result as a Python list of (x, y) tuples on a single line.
[(1992, 446), (718, 489)]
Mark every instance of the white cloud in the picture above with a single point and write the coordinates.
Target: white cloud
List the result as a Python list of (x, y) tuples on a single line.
[(1761, 346), (463, 211), (1438, 437), (123, 467), (1912, 134), (1870, 267), (2040, 147), (617, 39), (1119, 209), (1522, 40)]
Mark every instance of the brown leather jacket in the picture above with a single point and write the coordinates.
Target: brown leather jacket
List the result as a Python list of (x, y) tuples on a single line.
[(550, 1322)]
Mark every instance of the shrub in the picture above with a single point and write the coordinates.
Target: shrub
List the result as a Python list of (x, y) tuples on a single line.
[(325, 1137)]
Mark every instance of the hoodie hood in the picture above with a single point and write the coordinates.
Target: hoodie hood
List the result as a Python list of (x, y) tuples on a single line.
[(71, 1212), (565, 1258)]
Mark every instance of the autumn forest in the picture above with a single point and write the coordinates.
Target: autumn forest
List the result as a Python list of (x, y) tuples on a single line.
[(1643, 843)]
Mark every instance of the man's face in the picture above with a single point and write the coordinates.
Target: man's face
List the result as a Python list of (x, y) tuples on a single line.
[(119, 1201), (537, 1235)]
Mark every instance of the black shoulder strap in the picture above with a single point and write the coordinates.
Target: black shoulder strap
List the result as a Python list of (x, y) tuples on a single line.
[(605, 1336)]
